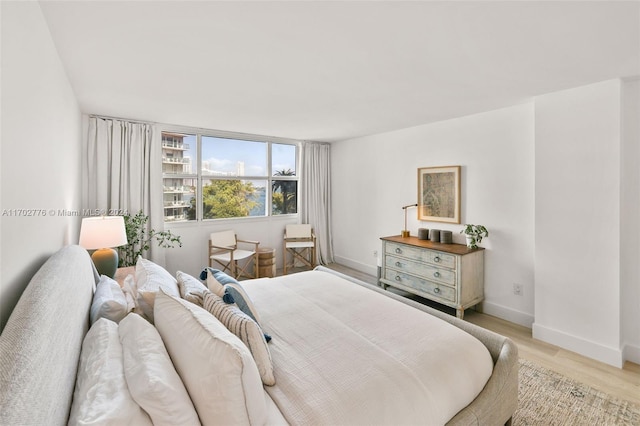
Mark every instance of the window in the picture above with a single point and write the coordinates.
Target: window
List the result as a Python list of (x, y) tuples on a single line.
[(179, 178), (284, 183), (230, 178)]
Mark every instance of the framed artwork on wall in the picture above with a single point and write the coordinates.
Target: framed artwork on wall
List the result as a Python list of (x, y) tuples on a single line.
[(439, 194)]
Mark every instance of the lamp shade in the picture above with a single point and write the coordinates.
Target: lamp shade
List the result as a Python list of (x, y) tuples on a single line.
[(102, 232)]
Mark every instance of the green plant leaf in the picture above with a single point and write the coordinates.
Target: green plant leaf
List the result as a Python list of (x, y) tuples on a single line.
[(139, 239)]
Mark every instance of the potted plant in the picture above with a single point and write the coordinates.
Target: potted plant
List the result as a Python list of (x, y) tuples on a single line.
[(140, 239), (474, 234)]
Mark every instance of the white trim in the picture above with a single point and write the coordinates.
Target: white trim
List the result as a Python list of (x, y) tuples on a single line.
[(606, 354), (358, 266), (631, 353), (517, 317)]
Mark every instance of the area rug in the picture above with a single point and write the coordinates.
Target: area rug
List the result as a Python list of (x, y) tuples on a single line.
[(548, 398)]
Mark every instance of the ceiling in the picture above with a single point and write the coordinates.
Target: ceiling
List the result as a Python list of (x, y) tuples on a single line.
[(333, 70)]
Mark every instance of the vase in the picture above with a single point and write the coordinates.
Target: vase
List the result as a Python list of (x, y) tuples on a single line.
[(471, 241)]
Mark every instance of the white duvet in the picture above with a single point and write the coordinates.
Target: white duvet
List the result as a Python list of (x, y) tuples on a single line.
[(344, 354)]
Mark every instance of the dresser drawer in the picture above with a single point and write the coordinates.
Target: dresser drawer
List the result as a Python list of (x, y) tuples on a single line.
[(423, 286), (421, 255), (423, 270)]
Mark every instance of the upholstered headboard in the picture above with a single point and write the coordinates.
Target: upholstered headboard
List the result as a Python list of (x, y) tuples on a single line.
[(40, 344)]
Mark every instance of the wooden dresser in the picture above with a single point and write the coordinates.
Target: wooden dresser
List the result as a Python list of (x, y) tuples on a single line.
[(450, 274)]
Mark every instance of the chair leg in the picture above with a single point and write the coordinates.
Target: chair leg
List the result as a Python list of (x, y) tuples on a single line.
[(234, 269), (255, 265), (313, 257), (284, 259)]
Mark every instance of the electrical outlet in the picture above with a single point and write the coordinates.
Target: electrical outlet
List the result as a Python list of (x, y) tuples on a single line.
[(517, 289), (375, 253)]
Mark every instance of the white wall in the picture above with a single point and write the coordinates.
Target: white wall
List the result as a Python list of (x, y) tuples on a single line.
[(630, 213), (374, 176), (577, 220), (193, 256), (40, 149)]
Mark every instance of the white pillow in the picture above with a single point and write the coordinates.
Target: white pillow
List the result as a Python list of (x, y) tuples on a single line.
[(150, 278), (247, 330), (151, 377), (191, 289), (215, 366), (130, 292), (102, 396), (108, 301)]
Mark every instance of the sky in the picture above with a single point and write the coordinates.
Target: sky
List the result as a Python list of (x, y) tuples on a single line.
[(223, 155)]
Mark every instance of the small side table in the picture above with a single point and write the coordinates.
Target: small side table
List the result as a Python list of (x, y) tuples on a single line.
[(266, 262)]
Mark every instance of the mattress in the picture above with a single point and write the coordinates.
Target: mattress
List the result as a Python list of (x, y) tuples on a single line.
[(344, 354)]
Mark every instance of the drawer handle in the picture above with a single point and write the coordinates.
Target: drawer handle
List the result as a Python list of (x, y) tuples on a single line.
[(436, 290), (398, 250), (398, 264), (436, 274), (436, 259), (398, 278)]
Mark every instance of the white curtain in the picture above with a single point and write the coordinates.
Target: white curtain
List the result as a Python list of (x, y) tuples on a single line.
[(122, 171), (315, 200)]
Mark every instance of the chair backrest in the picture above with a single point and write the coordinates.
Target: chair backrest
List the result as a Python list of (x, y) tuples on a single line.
[(223, 238), (298, 231)]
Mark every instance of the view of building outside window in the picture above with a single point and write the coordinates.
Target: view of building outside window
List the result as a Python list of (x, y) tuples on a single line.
[(179, 180), (238, 178)]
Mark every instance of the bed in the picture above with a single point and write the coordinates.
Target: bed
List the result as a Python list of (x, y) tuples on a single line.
[(343, 352)]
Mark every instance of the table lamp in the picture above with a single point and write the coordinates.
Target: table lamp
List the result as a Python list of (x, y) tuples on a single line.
[(405, 232), (102, 234)]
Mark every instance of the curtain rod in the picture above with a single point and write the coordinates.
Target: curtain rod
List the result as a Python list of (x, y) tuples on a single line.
[(106, 117), (202, 129)]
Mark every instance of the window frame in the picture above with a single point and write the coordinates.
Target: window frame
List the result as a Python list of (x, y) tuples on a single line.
[(199, 133)]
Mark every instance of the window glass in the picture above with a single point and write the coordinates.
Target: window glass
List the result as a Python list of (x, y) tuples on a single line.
[(284, 195), (226, 198), (178, 197), (232, 177), (283, 159), (233, 157), (179, 154)]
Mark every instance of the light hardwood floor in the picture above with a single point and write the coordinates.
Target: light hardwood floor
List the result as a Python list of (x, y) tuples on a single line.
[(622, 383)]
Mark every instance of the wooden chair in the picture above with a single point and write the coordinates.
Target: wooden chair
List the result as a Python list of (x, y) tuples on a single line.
[(300, 241), (223, 249)]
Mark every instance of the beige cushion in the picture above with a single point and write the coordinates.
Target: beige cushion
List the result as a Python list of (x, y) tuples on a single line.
[(191, 289), (150, 278), (102, 396), (247, 330), (214, 285), (108, 301), (151, 377), (215, 366)]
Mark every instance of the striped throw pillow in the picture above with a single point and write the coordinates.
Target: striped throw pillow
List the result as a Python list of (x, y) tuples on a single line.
[(246, 329)]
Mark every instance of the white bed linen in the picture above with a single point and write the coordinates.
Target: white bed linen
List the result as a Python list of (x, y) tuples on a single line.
[(343, 354)]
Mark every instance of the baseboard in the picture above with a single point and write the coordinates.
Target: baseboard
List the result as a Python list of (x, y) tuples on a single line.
[(608, 355), (631, 353), (358, 266), (517, 317)]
